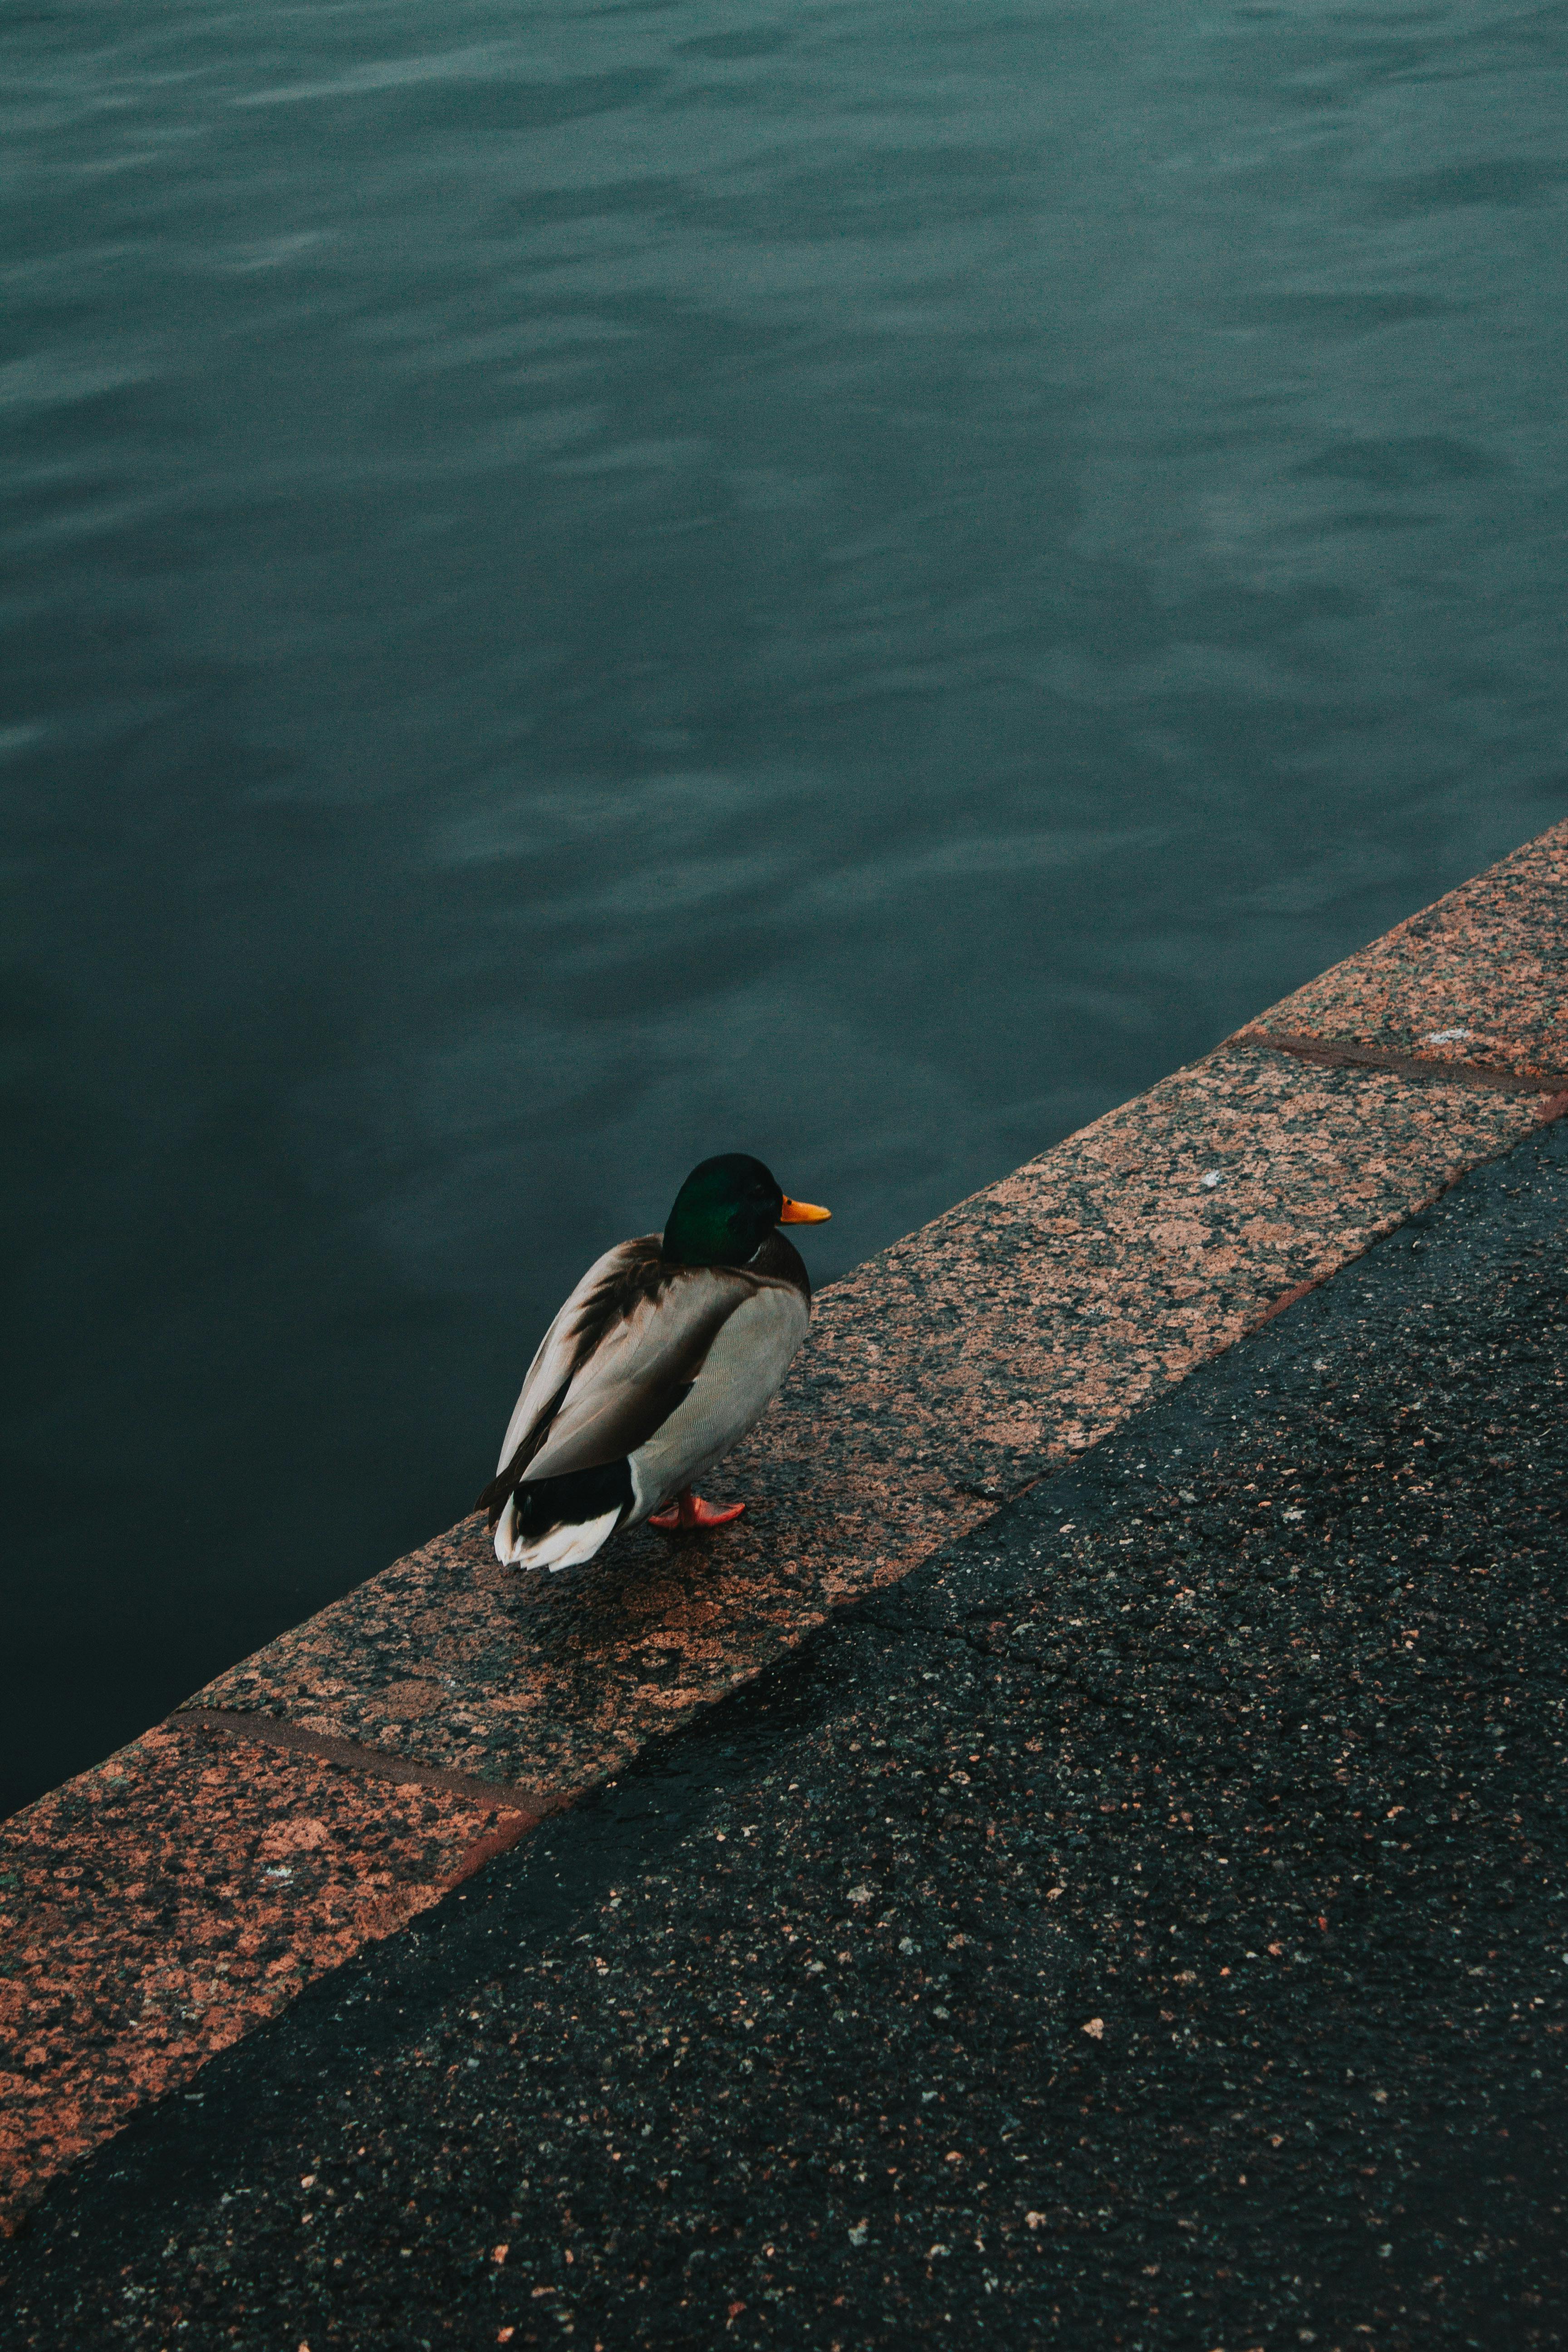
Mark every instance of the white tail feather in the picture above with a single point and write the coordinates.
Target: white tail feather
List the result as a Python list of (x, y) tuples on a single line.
[(565, 1544)]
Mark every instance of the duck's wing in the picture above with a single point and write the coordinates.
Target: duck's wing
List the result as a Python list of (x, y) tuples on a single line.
[(556, 1358), (615, 1364), (641, 1367), (744, 1372)]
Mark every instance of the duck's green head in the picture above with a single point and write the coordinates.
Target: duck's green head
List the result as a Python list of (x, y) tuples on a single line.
[(725, 1211)]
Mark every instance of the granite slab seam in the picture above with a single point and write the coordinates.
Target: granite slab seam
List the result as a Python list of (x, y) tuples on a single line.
[(273, 1732), (1330, 1052), (181, 1894), (1477, 977)]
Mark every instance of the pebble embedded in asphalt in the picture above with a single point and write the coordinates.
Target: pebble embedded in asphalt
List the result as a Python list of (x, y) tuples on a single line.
[(1144, 1927)]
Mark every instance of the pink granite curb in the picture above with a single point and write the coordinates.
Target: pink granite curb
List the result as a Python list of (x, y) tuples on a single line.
[(354, 1771), (1476, 978), (154, 1910)]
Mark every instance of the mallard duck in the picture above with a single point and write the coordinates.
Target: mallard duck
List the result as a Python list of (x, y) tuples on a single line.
[(670, 1347)]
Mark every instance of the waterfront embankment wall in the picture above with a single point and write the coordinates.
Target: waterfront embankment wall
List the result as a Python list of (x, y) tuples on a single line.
[(346, 1777)]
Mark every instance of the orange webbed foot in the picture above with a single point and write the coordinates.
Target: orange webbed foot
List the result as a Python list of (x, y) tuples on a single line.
[(690, 1510)]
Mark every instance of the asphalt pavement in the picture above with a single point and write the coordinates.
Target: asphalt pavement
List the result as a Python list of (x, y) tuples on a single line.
[(1144, 1927)]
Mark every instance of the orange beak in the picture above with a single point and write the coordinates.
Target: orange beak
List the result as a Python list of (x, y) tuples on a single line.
[(802, 1213)]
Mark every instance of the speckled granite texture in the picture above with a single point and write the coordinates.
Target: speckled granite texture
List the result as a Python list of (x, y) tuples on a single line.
[(145, 1923), (155, 1909), (941, 1378), (1476, 978)]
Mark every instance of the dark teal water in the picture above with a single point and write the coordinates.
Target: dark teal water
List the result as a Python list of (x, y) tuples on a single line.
[(588, 586)]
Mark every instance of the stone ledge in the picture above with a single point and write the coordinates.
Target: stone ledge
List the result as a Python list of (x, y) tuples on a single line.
[(155, 1909)]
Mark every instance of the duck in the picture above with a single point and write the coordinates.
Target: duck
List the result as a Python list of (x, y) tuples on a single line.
[(671, 1347)]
